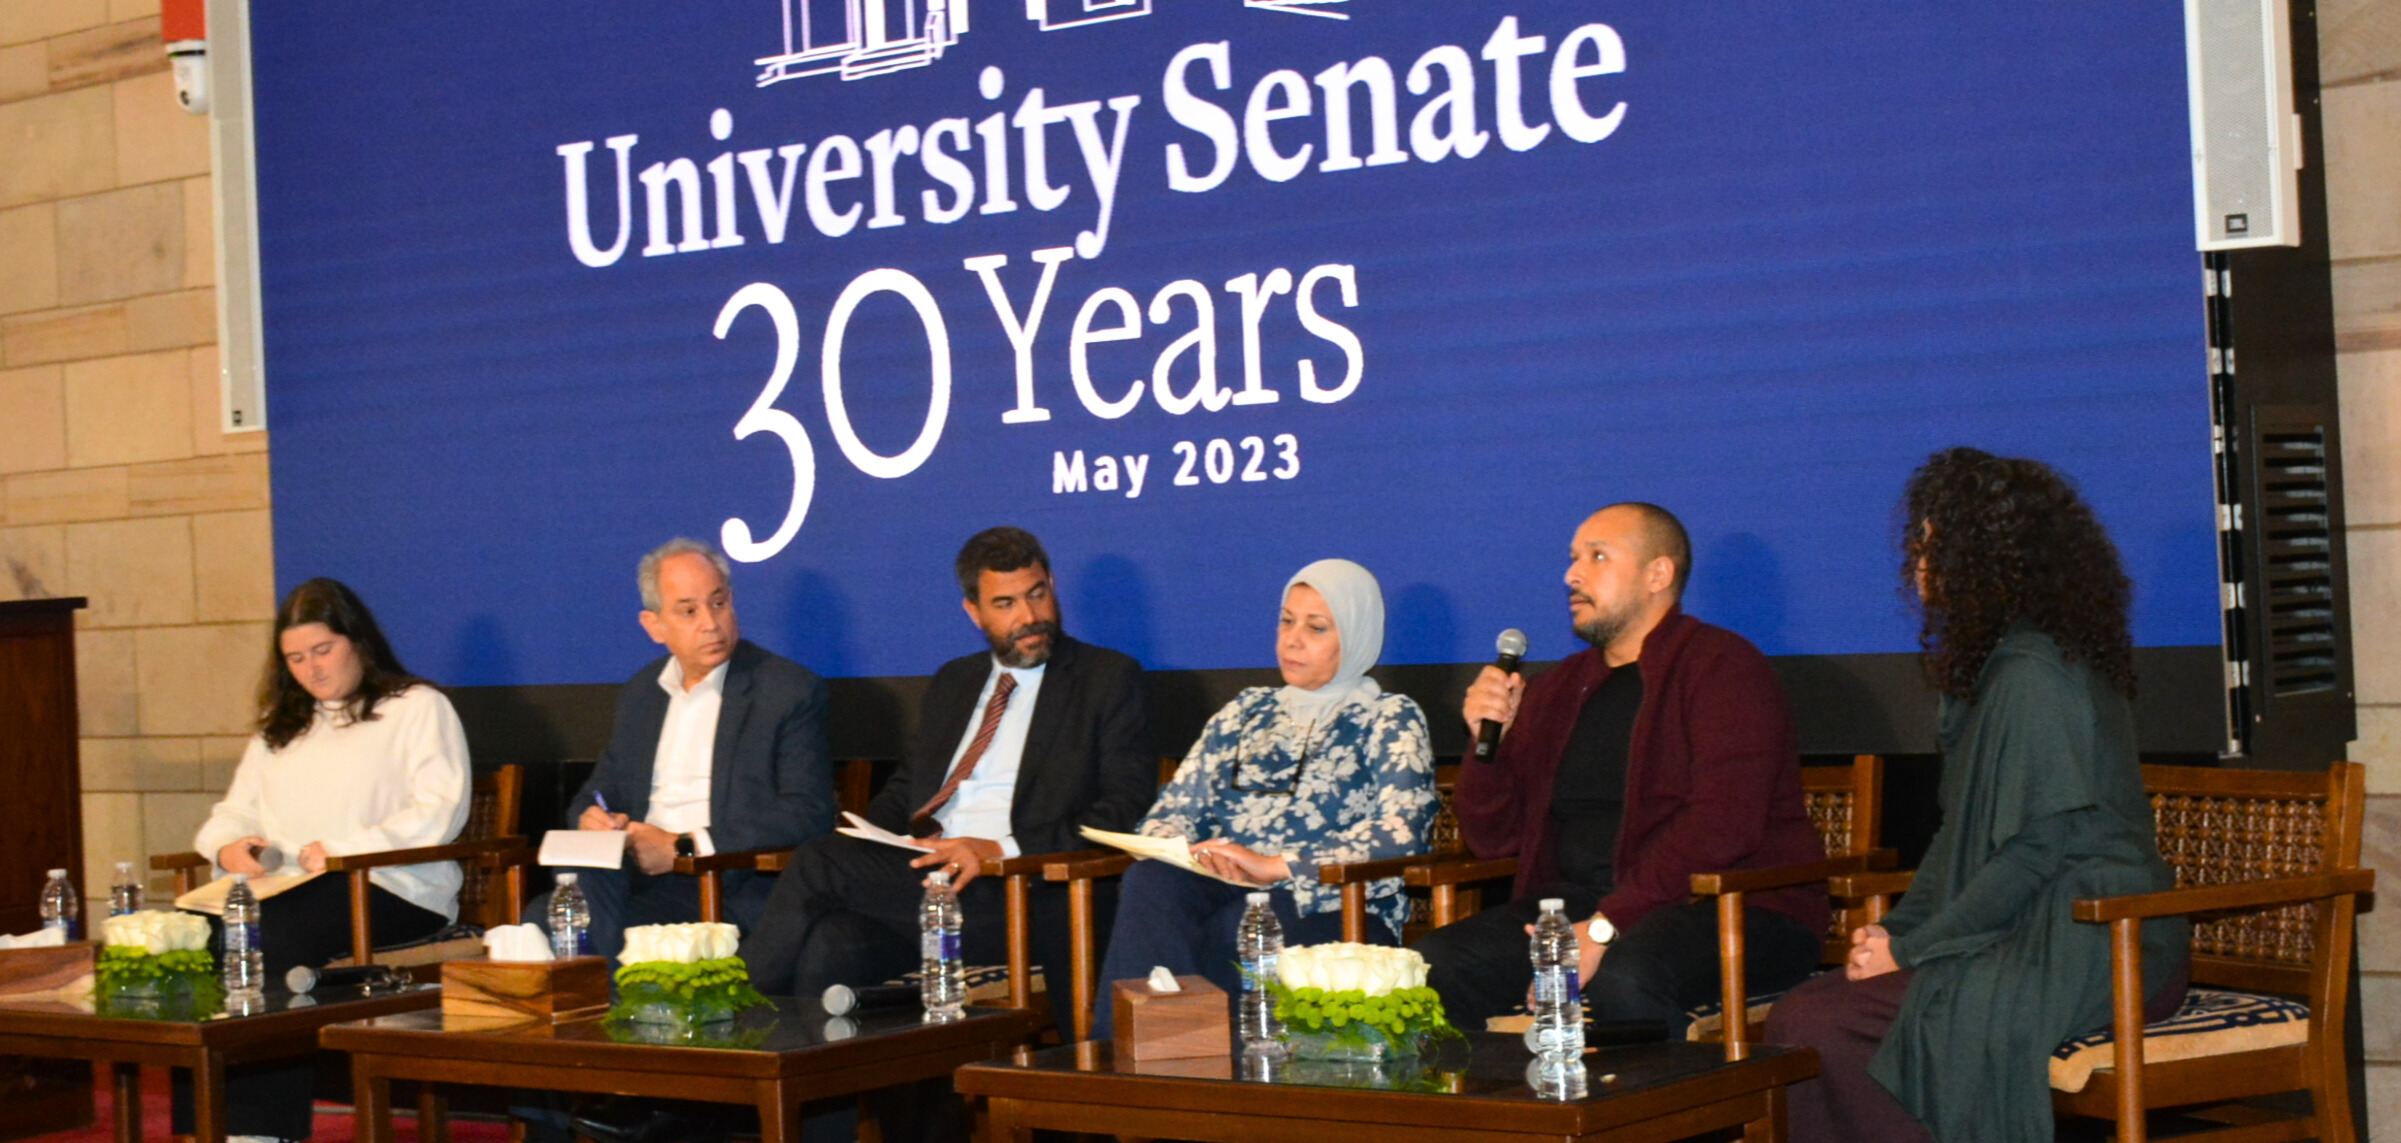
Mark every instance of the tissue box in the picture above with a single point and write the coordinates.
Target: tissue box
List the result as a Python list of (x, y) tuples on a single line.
[(46, 969), (526, 990), (1171, 1025)]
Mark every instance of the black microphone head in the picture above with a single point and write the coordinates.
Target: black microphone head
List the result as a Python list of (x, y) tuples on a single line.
[(1511, 643)]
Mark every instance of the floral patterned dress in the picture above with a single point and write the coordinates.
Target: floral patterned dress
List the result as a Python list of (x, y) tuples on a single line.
[(1357, 785)]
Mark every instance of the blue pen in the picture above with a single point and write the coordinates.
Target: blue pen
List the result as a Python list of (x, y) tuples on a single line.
[(602, 800)]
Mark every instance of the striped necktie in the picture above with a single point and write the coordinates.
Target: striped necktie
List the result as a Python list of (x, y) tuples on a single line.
[(922, 822)]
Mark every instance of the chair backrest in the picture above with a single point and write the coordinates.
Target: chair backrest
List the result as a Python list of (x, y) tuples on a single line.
[(1846, 804), (1443, 839), (2226, 827), (491, 812), (854, 787)]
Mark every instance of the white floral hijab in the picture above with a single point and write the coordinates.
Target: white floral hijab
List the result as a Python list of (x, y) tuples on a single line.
[(1356, 602)]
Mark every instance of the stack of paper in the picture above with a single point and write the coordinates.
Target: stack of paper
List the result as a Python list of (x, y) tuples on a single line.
[(1174, 851), (865, 830), (210, 898)]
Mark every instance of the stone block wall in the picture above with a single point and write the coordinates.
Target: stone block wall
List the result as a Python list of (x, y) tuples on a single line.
[(115, 482), (2359, 54)]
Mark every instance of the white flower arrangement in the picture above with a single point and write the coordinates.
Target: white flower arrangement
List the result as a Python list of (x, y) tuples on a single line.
[(679, 944), (146, 950), (683, 974), (1356, 1002), (155, 933), (1373, 970)]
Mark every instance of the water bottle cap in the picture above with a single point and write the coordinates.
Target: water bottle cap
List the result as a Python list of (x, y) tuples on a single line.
[(241, 878), (939, 878), (124, 867), (566, 879), (56, 874), (1259, 898), (1554, 904)]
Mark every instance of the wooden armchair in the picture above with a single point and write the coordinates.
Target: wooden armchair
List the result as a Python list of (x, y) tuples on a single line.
[(491, 893), (2267, 866), (1846, 804)]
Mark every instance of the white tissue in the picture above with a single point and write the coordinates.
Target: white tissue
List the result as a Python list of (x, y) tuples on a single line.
[(37, 939), (518, 943), (1162, 980)]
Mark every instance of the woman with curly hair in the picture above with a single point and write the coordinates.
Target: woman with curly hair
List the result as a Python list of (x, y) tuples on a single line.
[(1943, 1022)]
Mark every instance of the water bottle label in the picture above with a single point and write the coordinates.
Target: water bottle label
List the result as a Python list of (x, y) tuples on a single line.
[(939, 945), (1557, 987), (583, 942)]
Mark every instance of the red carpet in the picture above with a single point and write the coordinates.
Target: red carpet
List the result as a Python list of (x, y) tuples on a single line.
[(334, 1123)]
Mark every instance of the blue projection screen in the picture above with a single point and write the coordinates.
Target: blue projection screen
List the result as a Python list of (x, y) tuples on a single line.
[(1199, 291)]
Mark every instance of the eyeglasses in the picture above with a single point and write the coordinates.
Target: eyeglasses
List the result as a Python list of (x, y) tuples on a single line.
[(1252, 753)]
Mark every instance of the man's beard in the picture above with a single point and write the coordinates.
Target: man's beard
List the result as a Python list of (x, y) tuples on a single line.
[(1004, 647), (1604, 628)]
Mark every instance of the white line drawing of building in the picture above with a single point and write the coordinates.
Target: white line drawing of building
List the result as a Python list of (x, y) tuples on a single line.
[(860, 39), (1299, 7), (1056, 14)]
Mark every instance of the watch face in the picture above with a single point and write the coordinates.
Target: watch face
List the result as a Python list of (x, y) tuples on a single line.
[(1602, 931)]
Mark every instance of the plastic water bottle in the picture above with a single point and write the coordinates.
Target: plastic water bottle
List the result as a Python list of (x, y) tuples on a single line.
[(125, 895), (1258, 943), (59, 905), (1558, 1031), (244, 970), (570, 919), (942, 981)]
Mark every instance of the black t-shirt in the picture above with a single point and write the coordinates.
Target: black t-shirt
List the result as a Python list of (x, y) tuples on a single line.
[(1588, 797)]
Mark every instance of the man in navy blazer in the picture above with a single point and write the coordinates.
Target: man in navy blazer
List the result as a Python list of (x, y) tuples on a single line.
[(720, 744), (1017, 747)]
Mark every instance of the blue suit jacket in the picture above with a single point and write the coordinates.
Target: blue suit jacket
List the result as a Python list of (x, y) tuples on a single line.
[(771, 782)]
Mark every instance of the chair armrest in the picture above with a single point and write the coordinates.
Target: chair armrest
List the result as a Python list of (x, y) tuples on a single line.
[(1870, 884), (2216, 898), (727, 859), (1361, 872), (178, 861), (524, 855), (1458, 871), (455, 851), (1787, 876), (1089, 865)]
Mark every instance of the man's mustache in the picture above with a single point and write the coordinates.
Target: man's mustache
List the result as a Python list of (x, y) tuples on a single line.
[(1044, 627)]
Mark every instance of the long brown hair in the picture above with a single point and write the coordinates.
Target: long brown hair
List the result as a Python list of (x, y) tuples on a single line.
[(2001, 540), (285, 708)]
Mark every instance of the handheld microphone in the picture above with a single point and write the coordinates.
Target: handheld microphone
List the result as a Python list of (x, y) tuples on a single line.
[(1512, 646), (269, 857), (842, 999)]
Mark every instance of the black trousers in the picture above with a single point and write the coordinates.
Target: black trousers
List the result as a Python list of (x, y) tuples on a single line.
[(845, 912), (309, 925), (1656, 969)]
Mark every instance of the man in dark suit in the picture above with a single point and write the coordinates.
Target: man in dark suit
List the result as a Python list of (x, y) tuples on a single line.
[(720, 744), (1016, 748)]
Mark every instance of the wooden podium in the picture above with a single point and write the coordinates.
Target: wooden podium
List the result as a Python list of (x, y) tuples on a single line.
[(39, 764)]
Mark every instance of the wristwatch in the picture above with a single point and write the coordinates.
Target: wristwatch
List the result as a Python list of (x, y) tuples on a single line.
[(683, 845), (1601, 930)]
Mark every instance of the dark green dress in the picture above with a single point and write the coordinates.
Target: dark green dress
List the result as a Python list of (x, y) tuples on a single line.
[(2043, 803)]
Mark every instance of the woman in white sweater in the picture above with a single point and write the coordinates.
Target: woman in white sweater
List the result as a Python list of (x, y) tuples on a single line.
[(352, 755)]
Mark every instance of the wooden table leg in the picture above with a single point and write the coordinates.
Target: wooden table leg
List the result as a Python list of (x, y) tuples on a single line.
[(1771, 1126), (779, 1115), (1002, 1121), (433, 1114), (208, 1097), (127, 1079), (371, 1099)]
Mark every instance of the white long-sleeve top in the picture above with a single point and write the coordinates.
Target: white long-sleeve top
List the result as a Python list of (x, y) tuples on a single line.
[(396, 781)]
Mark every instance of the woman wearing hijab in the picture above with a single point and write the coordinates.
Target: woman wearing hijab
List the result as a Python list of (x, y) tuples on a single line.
[(1326, 769)]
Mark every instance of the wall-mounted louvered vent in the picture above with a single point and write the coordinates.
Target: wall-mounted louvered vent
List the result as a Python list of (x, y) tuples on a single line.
[(2293, 530)]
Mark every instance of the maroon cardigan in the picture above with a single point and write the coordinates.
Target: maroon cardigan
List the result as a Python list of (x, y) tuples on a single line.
[(1713, 776)]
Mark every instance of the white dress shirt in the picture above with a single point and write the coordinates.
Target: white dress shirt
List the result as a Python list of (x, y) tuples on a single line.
[(680, 772), (980, 806), (396, 781)]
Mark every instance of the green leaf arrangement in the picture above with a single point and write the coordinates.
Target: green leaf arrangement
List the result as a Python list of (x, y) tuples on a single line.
[(120, 966), (1401, 1015), (720, 985)]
